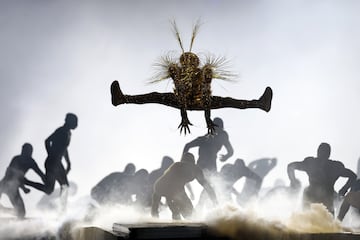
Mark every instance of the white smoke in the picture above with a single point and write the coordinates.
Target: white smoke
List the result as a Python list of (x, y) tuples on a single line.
[(254, 221)]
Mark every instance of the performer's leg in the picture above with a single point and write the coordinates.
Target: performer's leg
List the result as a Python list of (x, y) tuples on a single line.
[(18, 203), (36, 185), (174, 208), (185, 205), (351, 199), (169, 99), (117, 97), (155, 205), (61, 177), (263, 103), (344, 208), (64, 192), (47, 187)]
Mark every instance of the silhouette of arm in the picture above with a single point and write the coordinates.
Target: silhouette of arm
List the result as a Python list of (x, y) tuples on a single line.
[(228, 147), (37, 170), (191, 192), (49, 142), (351, 179), (255, 177), (194, 143), (67, 159), (294, 182)]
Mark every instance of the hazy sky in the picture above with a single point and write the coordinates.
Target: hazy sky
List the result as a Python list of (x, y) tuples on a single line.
[(61, 56)]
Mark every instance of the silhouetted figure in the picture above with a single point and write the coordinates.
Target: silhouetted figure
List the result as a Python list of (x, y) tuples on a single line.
[(261, 167), (139, 186), (155, 175), (15, 178), (231, 173), (351, 199), (111, 189), (322, 173), (172, 183), (209, 146), (56, 146), (358, 169)]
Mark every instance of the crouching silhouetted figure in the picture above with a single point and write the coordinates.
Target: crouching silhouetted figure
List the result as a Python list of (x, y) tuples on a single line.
[(172, 183), (323, 173), (111, 189), (15, 178)]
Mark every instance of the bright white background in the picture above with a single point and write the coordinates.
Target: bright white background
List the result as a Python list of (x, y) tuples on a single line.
[(61, 56)]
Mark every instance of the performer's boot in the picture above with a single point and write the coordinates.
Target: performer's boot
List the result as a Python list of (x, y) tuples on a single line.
[(117, 97), (265, 99)]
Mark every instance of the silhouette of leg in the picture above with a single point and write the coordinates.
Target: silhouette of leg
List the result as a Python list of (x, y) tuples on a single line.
[(264, 102), (185, 205), (351, 199), (47, 187), (344, 208), (174, 208), (117, 97), (155, 205), (203, 200), (64, 192), (18, 203), (169, 99)]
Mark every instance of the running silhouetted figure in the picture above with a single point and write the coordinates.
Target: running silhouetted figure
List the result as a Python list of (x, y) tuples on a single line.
[(209, 146), (57, 148), (322, 173), (15, 177), (171, 185)]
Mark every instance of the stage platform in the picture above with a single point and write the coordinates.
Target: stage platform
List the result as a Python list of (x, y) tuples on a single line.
[(152, 231), (193, 231)]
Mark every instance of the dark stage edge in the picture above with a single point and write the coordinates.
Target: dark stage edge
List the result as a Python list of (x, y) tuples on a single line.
[(193, 231), (174, 231)]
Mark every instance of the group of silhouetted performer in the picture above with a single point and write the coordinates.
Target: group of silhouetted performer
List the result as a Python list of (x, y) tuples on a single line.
[(172, 179), (146, 189), (56, 146)]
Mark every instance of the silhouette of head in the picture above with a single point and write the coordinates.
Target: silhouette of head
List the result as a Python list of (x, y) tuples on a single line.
[(219, 122), (188, 157), (166, 162), (189, 59), (239, 163), (130, 169), (27, 150), (141, 175), (71, 120), (324, 150)]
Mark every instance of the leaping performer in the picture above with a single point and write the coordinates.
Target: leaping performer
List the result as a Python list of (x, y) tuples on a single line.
[(192, 86)]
